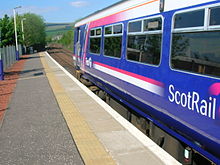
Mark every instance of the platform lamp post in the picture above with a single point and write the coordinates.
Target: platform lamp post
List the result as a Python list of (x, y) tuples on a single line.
[(1, 62), (22, 29), (16, 39)]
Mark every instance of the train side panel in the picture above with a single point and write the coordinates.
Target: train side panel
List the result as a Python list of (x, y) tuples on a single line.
[(188, 103)]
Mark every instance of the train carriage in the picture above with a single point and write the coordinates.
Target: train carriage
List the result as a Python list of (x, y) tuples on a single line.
[(162, 59)]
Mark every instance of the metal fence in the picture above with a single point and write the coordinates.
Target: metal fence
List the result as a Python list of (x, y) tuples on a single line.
[(8, 55)]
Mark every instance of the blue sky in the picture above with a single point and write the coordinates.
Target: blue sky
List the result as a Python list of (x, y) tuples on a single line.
[(55, 10)]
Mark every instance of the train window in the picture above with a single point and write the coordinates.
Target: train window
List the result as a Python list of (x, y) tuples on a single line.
[(214, 16), (92, 32), (144, 48), (98, 32), (117, 29), (95, 41), (189, 19), (153, 24), (108, 30), (197, 52), (113, 40), (95, 45), (135, 26), (112, 46)]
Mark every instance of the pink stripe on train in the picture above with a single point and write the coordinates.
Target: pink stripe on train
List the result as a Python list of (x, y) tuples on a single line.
[(149, 80), (214, 89)]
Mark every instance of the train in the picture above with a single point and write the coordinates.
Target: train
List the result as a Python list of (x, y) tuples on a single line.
[(161, 59)]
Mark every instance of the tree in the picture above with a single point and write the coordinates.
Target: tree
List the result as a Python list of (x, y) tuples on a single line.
[(7, 31), (34, 31), (67, 39)]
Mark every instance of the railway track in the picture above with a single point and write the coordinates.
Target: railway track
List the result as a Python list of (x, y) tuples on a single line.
[(63, 57)]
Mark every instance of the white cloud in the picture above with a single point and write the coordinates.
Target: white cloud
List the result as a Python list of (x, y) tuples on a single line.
[(79, 4)]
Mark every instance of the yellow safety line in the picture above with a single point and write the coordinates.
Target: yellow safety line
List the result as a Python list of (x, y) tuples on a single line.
[(90, 148)]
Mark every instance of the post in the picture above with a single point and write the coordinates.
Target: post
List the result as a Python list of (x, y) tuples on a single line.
[(1, 66), (16, 39), (22, 28), (1, 62)]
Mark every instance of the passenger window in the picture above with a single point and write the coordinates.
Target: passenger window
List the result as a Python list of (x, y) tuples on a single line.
[(153, 24), (189, 19), (98, 32), (197, 51), (113, 42), (135, 26), (108, 30), (95, 41), (112, 46), (215, 16), (145, 47), (95, 45), (117, 29)]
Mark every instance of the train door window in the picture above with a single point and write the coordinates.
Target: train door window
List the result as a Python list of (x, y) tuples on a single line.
[(77, 45), (95, 40), (197, 49), (92, 33), (113, 40), (78, 35), (145, 47)]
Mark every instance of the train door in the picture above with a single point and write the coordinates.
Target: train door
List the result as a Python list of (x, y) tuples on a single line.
[(78, 47), (84, 44)]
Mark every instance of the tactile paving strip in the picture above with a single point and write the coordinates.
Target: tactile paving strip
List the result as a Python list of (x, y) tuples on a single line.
[(90, 148)]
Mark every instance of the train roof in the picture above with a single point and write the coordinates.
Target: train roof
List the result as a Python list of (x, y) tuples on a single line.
[(119, 6), (125, 5)]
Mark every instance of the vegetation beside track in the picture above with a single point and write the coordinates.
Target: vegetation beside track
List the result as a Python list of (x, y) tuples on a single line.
[(60, 33)]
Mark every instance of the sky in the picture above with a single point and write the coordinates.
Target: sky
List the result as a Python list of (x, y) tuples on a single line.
[(55, 11)]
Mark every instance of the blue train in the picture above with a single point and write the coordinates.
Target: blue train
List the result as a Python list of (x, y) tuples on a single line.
[(162, 59)]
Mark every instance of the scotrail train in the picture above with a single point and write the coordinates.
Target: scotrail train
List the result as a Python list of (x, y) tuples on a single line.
[(161, 58)]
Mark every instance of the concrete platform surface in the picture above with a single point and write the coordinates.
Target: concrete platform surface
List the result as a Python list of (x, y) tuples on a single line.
[(33, 130)]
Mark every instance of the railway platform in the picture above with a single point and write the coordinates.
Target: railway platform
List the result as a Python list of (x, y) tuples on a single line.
[(53, 119)]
